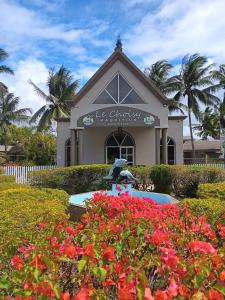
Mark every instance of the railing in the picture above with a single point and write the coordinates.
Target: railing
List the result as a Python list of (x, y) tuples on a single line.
[(204, 162), (21, 172)]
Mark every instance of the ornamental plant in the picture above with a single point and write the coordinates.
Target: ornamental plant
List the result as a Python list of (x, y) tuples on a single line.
[(124, 248)]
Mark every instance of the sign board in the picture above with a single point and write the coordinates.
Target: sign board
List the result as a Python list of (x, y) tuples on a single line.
[(119, 116)]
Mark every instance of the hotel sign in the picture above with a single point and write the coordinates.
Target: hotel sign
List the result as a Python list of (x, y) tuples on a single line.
[(119, 116)]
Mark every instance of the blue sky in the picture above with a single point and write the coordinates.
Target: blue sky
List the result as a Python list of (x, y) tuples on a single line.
[(40, 34)]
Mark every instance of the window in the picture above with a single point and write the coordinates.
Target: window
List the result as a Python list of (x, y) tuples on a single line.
[(170, 151), (67, 153), (119, 145), (118, 91)]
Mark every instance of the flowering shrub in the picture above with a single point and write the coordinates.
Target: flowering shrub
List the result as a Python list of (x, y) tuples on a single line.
[(124, 248), (209, 190)]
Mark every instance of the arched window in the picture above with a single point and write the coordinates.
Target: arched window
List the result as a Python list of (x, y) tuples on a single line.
[(170, 151), (67, 153), (119, 145)]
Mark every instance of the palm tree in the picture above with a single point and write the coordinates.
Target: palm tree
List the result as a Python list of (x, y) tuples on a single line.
[(209, 124), (61, 88), (196, 86), (3, 68), (9, 113), (159, 73)]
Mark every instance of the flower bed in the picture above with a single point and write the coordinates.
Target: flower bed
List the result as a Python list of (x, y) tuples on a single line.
[(124, 248)]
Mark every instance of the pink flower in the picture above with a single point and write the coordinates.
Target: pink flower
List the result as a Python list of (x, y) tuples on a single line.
[(202, 247), (41, 225)]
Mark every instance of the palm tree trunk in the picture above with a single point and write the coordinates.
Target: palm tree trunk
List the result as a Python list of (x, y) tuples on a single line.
[(5, 140), (191, 134)]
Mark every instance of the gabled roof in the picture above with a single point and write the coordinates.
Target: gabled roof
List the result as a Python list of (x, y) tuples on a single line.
[(203, 145), (119, 55)]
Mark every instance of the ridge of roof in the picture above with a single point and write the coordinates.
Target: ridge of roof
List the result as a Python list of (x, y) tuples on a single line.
[(119, 55)]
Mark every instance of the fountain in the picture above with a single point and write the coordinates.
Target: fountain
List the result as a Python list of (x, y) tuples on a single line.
[(122, 182)]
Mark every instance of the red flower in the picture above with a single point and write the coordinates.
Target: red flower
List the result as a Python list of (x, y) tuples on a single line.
[(89, 250), (108, 282), (83, 294), (108, 253), (222, 275), (17, 262), (65, 296), (203, 247), (148, 294), (38, 263), (215, 295), (41, 225), (70, 251), (71, 230)]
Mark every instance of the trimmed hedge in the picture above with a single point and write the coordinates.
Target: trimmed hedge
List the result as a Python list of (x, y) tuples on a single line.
[(7, 178), (183, 181), (11, 186), (212, 208), (209, 190), (23, 209)]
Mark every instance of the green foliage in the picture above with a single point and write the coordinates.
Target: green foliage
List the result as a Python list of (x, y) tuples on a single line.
[(23, 209), (75, 179), (161, 178), (213, 208), (7, 178), (185, 180), (209, 190), (34, 148)]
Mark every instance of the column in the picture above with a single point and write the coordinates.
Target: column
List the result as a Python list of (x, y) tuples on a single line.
[(157, 145), (80, 146), (164, 146), (73, 148)]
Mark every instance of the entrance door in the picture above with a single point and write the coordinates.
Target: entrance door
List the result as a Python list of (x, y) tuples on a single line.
[(119, 145)]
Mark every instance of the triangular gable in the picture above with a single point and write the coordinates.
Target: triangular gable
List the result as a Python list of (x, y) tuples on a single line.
[(118, 91), (119, 55)]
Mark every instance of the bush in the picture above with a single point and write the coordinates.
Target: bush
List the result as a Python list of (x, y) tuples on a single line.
[(22, 209), (124, 248), (161, 178), (185, 179), (7, 178), (212, 208), (74, 180), (11, 186), (208, 190)]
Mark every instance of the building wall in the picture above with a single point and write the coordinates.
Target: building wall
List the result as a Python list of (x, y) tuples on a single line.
[(63, 133), (94, 144), (175, 131)]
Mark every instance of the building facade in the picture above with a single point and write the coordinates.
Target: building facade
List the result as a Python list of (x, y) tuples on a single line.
[(119, 113)]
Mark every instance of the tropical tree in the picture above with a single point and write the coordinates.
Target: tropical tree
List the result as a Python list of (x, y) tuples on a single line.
[(9, 112), (61, 88), (160, 74), (220, 108), (196, 85), (4, 68), (209, 124)]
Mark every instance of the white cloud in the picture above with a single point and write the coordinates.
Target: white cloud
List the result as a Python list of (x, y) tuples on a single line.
[(28, 69), (179, 27)]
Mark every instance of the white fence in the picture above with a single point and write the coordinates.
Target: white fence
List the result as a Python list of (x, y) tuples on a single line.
[(21, 172)]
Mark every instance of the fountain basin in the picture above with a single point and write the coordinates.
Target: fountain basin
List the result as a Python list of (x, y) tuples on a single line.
[(77, 202)]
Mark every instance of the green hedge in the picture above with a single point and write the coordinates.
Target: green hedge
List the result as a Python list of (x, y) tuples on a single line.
[(212, 208), (7, 178), (209, 190), (183, 181), (22, 209)]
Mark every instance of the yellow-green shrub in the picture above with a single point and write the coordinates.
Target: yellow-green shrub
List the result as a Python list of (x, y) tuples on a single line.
[(7, 178), (1, 171), (11, 186), (22, 209), (208, 190), (211, 208)]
